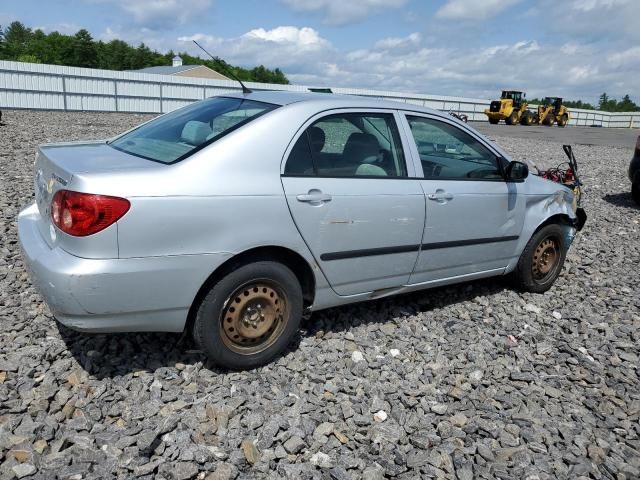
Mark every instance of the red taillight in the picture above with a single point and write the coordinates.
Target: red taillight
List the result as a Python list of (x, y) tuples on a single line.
[(81, 214)]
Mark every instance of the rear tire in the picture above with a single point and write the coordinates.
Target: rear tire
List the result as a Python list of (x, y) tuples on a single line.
[(250, 316), (542, 259)]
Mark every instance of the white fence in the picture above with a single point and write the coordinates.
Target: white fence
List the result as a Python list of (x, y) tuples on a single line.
[(53, 87)]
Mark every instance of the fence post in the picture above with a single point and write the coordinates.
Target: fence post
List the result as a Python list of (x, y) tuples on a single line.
[(161, 109), (64, 93), (115, 94)]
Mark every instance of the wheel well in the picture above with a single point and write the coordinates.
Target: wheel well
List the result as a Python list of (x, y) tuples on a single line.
[(561, 218), (298, 265)]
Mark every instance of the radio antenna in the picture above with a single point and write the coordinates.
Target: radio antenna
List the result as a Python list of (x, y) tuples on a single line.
[(244, 88)]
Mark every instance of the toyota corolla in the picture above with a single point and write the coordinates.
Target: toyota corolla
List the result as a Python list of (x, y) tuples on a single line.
[(237, 215)]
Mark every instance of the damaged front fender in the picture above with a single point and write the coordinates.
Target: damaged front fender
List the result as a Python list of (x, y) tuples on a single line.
[(553, 205)]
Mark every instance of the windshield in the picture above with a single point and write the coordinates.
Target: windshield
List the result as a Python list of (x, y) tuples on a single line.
[(174, 136)]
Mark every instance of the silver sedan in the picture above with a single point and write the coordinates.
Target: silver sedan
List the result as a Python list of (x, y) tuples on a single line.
[(235, 216)]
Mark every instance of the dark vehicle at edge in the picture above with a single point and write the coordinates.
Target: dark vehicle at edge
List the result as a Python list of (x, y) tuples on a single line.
[(634, 173)]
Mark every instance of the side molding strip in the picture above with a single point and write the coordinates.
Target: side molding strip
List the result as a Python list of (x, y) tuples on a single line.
[(370, 252)]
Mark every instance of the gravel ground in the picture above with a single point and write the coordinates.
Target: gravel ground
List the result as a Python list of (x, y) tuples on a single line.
[(471, 381)]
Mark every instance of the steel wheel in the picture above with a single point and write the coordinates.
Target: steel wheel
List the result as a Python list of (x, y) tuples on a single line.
[(546, 257), (253, 317)]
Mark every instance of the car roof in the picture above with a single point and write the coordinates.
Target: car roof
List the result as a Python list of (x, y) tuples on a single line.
[(329, 100)]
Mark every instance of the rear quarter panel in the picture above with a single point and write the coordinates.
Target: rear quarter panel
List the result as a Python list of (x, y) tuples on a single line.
[(227, 197)]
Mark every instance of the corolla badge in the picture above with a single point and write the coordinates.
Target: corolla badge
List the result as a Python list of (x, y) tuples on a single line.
[(50, 185)]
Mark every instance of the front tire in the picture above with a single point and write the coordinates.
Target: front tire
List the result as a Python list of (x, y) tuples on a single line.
[(493, 121), (563, 121), (512, 119), (526, 119), (542, 259), (250, 316)]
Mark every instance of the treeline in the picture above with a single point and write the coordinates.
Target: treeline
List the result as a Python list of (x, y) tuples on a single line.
[(20, 43), (612, 105), (605, 104)]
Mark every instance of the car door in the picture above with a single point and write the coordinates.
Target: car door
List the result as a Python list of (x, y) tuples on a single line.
[(352, 198), (474, 218)]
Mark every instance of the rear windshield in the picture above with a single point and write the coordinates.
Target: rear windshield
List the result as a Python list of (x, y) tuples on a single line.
[(176, 135)]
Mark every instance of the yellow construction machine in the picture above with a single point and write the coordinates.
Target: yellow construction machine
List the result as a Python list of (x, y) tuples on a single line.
[(512, 108), (552, 111)]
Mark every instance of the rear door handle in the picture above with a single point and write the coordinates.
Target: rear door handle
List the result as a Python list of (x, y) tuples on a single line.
[(440, 196), (314, 197)]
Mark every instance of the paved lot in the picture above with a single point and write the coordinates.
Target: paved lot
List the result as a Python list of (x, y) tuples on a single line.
[(475, 380), (606, 137)]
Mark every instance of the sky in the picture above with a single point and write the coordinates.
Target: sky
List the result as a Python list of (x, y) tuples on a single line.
[(576, 49)]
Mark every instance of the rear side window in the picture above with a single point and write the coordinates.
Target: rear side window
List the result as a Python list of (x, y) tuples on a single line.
[(349, 145), (174, 136), (447, 152)]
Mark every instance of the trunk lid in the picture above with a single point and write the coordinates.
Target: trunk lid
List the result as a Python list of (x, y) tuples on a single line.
[(55, 168)]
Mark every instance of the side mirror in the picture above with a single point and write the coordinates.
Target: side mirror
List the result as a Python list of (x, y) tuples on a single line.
[(516, 172)]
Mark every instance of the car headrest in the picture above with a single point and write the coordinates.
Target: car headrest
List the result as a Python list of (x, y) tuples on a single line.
[(360, 146), (367, 169), (195, 133), (317, 139)]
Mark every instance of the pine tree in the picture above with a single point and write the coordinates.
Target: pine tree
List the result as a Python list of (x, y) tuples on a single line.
[(84, 50), (603, 101)]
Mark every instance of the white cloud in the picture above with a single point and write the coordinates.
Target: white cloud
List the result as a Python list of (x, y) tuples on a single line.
[(395, 42), (303, 38), (586, 21), (159, 14), (473, 9), (588, 5), (283, 46), (626, 58), (340, 12)]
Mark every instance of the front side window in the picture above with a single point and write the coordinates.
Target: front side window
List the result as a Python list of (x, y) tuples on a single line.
[(174, 136), (447, 152), (349, 145)]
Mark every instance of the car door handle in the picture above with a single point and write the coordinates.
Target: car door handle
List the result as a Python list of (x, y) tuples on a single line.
[(440, 196), (314, 197)]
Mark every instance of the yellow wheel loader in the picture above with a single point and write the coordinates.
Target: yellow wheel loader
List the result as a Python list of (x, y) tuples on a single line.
[(512, 108), (552, 111)]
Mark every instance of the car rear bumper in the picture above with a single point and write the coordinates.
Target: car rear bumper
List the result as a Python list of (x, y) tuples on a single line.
[(113, 295)]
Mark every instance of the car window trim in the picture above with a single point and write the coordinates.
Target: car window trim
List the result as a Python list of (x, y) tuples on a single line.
[(478, 138), (202, 145), (394, 112)]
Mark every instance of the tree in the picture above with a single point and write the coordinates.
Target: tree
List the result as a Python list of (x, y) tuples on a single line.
[(603, 101), (2, 42), (627, 105), (84, 50), (28, 58), (16, 38)]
